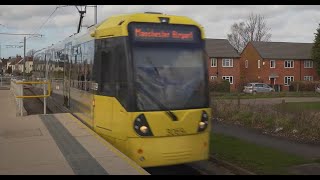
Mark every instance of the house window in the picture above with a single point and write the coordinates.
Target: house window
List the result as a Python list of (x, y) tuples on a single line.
[(259, 63), (272, 64), (308, 78), (308, 64), (287, 80), (288, 63), (213, 62), (228, 78), (246, 63), (213, 77), (227, 62)]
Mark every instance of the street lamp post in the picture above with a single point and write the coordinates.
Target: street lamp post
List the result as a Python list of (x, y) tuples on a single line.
[(95, 14)]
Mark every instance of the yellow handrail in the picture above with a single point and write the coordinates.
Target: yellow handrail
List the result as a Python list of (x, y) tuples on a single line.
[(36, 82)]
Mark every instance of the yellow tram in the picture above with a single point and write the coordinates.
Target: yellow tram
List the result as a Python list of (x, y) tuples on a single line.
[(139, 81)]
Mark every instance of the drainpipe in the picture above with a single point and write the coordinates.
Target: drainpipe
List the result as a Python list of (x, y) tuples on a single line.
[(300, 70), (217, 68)]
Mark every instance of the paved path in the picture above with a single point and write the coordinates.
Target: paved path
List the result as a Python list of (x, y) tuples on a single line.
[(276, 100), (251, 135), (55, 144)]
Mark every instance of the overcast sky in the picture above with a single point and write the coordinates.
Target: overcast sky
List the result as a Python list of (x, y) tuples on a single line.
[(287, 23)]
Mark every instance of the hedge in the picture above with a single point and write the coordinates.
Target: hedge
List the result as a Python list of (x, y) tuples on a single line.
[(219, 85), (304, 85)]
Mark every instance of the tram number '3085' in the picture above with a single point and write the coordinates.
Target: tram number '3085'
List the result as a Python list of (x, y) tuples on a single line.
[(176, 131)]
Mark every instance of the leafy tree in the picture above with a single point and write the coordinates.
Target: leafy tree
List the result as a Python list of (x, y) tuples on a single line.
[(315, 54)]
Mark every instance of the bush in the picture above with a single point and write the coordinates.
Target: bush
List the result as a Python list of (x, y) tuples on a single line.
[(219, 85), (303, 85)]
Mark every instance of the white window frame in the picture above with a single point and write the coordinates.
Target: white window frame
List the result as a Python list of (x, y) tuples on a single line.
[(227, 78), (213, 77), (274, 63), (259, 63), (214, 62), (286, 80), (308, 64), (308, 78), (230, 62), (287, 63), (246, 64)]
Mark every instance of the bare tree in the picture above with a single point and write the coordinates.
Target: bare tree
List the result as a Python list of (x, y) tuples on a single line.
[(235, 38), (31, 53), (253, 29)]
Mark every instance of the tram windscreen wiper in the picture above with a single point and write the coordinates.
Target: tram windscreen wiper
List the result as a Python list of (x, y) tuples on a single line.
[(162, 106)]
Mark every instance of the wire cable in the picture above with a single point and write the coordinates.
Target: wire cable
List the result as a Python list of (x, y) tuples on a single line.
[(44, 22)]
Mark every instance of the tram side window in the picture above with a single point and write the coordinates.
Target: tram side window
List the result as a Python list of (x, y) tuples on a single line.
[(110, 69), (107, 80), (122, 79)]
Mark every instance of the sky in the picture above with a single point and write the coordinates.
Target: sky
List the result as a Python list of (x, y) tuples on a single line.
[(288, 23)]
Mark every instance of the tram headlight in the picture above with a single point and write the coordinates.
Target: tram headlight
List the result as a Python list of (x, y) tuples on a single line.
[(203, 124), (144, 129), (141, 126)]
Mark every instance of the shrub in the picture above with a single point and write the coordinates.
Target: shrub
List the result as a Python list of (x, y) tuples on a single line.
[(304, 85), (219, 85)]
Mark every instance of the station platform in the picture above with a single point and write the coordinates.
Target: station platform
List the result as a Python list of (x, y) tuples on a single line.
[(55, 144)]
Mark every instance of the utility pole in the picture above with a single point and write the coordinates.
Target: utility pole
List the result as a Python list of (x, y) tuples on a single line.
[(24, 56), (24, 42), (95, 14)]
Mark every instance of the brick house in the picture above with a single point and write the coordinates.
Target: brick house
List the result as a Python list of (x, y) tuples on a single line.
[(278, 63), (224, 61), (28, 65)]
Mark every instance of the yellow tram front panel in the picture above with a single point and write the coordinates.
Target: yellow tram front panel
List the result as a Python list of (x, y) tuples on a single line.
[(159, 151), (173, 142)]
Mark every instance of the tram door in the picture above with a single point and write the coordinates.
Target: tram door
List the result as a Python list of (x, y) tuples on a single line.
[(67, 75), (106, 83)]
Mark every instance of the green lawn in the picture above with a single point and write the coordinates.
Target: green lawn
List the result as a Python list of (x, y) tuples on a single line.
[(299, 106), (255, 158)]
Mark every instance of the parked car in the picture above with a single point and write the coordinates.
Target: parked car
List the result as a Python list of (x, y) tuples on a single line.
[(318, 89), (253, 88)]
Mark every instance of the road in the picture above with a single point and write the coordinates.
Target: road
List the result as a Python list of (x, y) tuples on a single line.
[(275, 100)]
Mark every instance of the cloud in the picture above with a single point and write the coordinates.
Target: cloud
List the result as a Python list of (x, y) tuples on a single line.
[(296, 23)]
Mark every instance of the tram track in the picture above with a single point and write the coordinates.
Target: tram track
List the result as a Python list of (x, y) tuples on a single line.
[(33, 105)]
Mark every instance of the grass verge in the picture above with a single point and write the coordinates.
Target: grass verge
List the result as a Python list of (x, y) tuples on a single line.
[(299, 106), (255, 158)]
